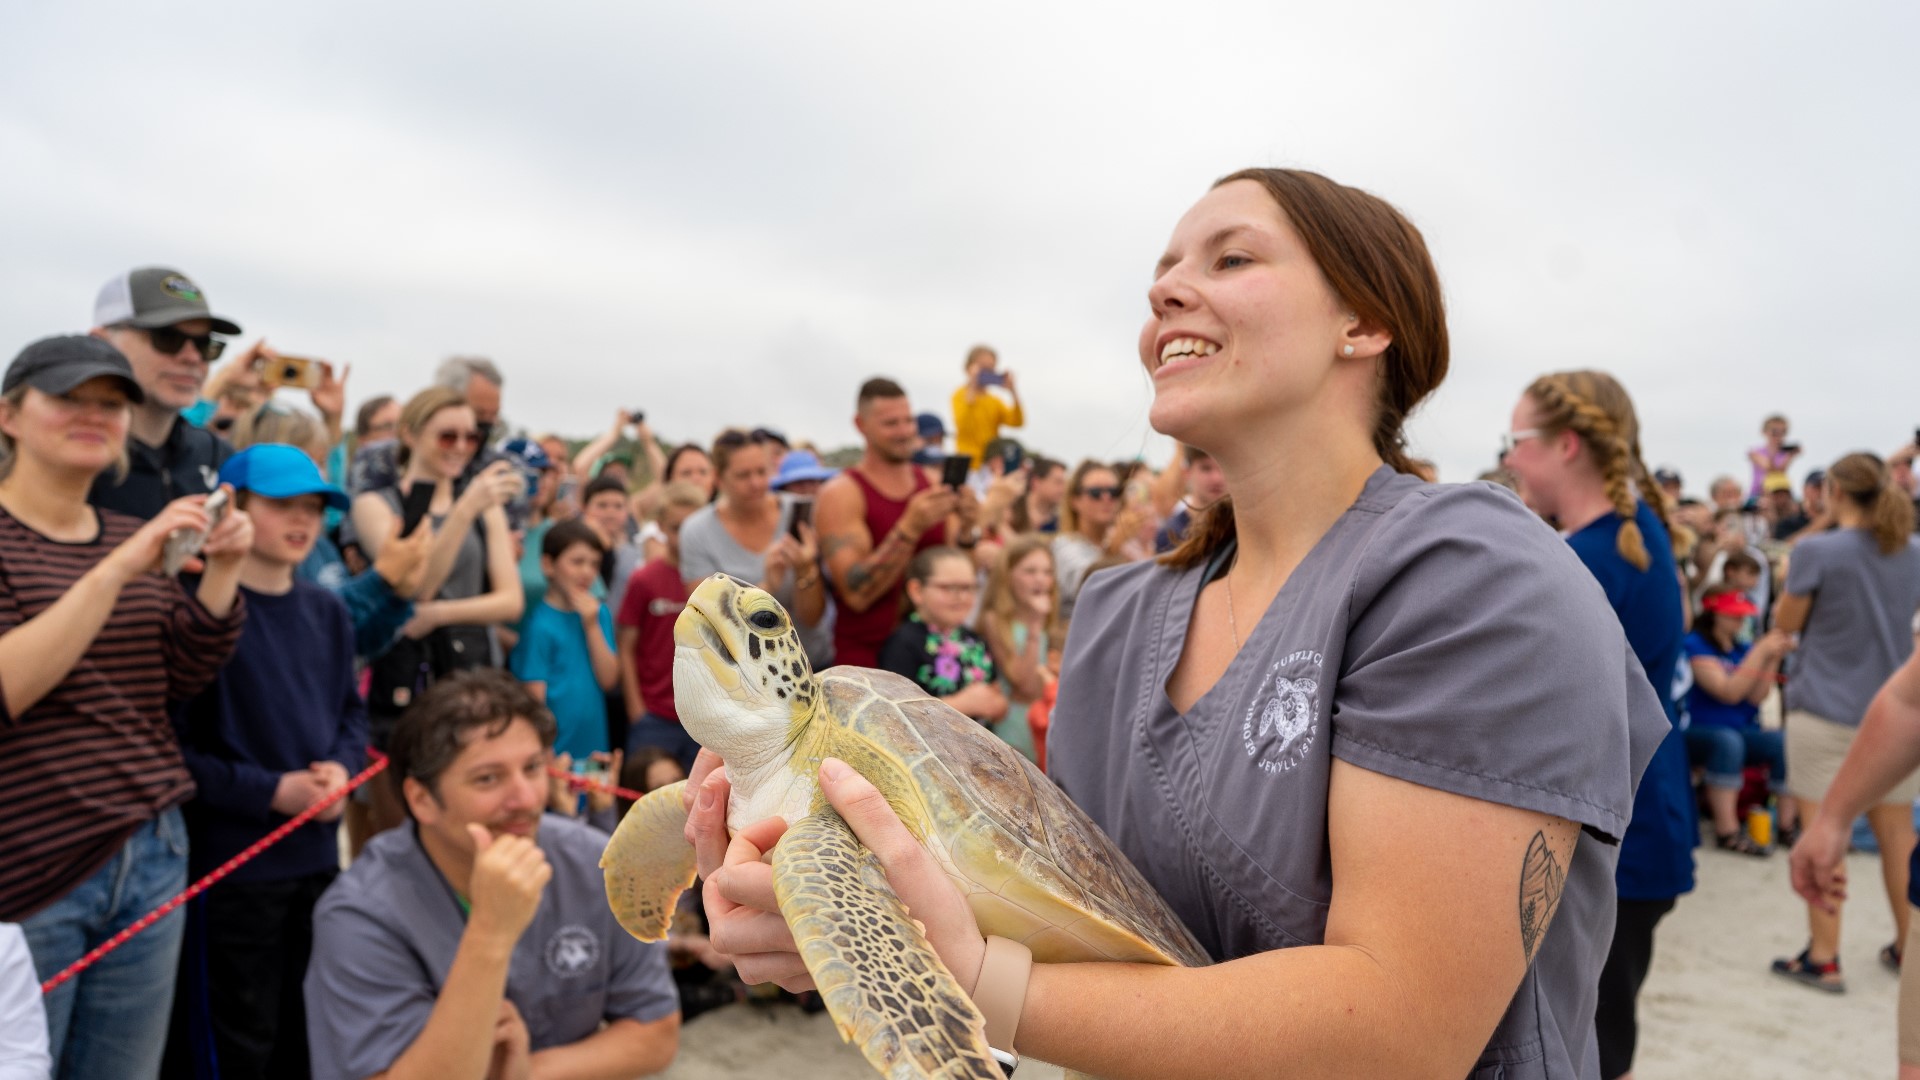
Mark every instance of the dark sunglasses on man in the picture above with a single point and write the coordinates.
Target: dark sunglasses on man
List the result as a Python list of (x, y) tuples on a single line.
[(169, 340), (1102, 492)]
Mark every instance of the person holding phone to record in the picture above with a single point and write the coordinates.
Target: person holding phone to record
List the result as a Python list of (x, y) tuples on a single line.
[(978, 413), (757, 534), (471, 584)]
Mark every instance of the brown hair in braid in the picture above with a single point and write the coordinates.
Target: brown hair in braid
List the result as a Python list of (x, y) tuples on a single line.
[(1377, 263), (1594, 406)]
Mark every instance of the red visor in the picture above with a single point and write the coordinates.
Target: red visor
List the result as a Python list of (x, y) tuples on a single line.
[(1732, 603)]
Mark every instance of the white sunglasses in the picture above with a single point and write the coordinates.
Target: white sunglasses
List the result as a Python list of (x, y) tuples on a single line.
[(1511, 439)]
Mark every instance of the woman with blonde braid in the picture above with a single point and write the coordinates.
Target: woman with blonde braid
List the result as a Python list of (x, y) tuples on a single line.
[(1851, 596), (1575, 447)]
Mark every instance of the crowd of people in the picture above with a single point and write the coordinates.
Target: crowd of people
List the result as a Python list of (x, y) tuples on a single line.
[(221, 597)]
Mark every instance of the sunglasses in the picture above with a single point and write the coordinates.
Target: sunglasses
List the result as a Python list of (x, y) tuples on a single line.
[(450, 439), (1511, 439), (1113, 492), (169, 340), (743, 438)]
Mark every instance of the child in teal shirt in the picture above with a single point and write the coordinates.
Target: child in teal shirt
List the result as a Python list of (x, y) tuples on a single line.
[(565, 653)]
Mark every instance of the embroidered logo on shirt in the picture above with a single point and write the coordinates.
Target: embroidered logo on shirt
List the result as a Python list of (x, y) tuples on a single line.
[(1281, 725), (572, 950)]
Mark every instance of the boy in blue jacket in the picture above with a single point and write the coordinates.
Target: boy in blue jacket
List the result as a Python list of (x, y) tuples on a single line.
[(281, 728)]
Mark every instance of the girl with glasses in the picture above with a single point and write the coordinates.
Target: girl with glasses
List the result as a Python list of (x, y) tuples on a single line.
[(934, 647), (1374, 740)]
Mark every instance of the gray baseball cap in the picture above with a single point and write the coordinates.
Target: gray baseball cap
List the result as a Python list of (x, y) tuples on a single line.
[(56, 365), (155, 296)]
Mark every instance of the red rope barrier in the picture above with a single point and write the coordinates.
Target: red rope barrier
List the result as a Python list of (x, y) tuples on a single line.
[(581, 783), (228, 867), (578, 783)]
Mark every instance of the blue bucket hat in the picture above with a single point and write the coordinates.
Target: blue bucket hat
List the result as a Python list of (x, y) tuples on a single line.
[(800, 466), (279, 471)]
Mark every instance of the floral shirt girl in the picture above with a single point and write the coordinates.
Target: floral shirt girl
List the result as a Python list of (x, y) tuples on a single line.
[(941, 663)]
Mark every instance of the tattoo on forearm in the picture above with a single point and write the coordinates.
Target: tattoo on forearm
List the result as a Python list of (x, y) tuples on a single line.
[(881, 569), (1541, 882)]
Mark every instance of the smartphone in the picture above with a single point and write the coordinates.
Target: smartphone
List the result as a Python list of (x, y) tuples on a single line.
[(992, 378), (184, 544), (953, 471), (296, 371), (802, 515), (636, 416), (1789, 447), (414, 506)]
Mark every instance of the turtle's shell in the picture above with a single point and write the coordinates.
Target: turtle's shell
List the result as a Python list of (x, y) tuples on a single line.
[(1034, 867)]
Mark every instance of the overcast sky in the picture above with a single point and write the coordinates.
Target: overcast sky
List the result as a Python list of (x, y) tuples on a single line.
[(735, 212)]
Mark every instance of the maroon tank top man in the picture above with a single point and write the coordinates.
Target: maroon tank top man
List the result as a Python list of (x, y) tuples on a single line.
[(873, 517)]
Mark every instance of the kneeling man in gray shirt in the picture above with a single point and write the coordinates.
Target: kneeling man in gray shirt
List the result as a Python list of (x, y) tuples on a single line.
[(476, 940)]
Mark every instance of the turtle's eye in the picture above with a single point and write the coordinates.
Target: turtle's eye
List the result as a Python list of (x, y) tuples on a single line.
[(765, 620)]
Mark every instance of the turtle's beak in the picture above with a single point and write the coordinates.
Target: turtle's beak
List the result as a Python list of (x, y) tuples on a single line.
[(695, 632)]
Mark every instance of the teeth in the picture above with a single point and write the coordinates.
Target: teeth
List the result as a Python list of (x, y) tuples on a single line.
[(1187, 346)]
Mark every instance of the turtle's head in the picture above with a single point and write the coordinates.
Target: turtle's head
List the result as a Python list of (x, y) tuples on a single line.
[(741, 681)]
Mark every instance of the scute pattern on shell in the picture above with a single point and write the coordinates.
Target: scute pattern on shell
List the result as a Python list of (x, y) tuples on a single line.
[(1007, 828)]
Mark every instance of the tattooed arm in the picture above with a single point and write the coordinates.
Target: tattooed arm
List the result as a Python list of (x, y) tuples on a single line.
[(861, 570)]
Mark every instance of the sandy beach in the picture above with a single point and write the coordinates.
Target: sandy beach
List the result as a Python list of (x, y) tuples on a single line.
[(1710, 1008)]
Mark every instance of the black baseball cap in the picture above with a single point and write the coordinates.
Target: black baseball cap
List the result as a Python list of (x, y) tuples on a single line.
[(56, 365), (155, 296)]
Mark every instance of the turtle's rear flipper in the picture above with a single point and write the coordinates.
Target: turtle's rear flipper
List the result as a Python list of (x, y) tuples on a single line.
[(885, 986), (649, 863)]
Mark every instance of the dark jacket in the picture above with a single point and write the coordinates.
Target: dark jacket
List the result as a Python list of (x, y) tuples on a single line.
[(188, 463)]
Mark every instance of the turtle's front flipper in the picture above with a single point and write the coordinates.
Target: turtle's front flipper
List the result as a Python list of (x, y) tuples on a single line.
[(883, 983), (649, 863)]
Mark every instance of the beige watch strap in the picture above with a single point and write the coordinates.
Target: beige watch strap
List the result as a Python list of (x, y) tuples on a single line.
[(1001, 990)]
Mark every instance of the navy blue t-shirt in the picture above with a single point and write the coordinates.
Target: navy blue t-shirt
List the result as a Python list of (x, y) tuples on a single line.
[(1705, 710), (287, 698), (1656, 855)]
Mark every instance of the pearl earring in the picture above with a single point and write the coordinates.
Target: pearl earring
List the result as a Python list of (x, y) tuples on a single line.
[(1348, 351)]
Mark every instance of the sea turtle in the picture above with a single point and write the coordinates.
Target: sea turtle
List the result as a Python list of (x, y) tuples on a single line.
[(1033, 867)]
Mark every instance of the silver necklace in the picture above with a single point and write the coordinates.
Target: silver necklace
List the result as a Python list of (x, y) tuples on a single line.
[(1233, 626)]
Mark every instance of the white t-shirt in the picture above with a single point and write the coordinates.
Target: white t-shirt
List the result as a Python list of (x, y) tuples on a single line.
[(23, 1017)]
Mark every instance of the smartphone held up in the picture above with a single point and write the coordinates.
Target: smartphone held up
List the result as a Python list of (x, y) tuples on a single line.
[(298, 372)]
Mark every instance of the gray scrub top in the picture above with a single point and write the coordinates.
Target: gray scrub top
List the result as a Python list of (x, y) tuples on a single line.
[(1860, 628), (1442, 635), (385, 933)]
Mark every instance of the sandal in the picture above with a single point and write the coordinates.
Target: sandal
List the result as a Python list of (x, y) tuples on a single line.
[(1740, 844), (1789, 835), (1890, 958), (1802, 969)]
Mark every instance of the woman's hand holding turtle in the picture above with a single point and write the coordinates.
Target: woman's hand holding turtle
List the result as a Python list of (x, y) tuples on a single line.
[(928, 893), (743, 917)]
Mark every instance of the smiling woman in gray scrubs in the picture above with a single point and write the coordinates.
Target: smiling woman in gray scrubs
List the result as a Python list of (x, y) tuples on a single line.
[(1375, 740)]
